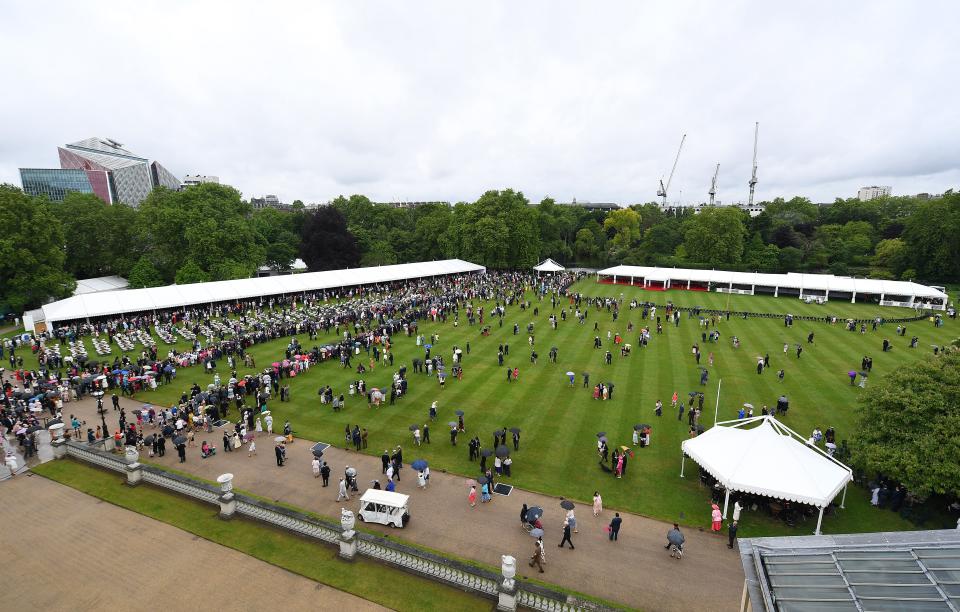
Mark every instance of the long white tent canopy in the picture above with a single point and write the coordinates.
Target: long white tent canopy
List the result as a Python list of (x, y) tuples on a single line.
[(719, 279), (110, 303), (762, 456)]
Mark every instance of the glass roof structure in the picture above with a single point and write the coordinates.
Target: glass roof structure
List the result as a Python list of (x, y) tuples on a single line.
[(859, 573)]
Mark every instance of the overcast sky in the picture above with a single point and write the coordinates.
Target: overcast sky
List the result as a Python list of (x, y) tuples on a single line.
[(444, 100)]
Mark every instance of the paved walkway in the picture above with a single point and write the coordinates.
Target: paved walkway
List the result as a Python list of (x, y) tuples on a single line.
[(635, 571), (47, 573)]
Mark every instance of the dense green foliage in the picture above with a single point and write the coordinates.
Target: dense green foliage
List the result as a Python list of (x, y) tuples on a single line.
[(909, 423), (208, 232), (31, 253)]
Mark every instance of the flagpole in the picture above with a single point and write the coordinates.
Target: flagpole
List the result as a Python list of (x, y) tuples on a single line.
[(717, 411)]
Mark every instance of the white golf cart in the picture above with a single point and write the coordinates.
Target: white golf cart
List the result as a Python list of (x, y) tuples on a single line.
[(384, 507)]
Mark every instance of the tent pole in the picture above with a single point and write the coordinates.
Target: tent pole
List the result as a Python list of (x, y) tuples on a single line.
[(683, 460), (726, 502), (819, 520), (717, 410), (844, 498)]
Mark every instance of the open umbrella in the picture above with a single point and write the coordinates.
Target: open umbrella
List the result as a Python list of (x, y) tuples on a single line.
[(279, 439), (149, 439), (351, 472), (692, 394), (603, 439), (317, 453), (536, 532), (486, 452), (534, 513), (265, 413), (179, 440), (412, 427), (458, 412), (748, 405), (483, 480), (570, 374), (863, 373), (471, 482), (419, 465), (167, 430), (851, 373), (601, 434), (452, 423), (515, 430), (503, 451), (567, 504)]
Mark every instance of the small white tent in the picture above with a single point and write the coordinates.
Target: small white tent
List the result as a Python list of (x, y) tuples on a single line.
[(768, 459), (548, 265)]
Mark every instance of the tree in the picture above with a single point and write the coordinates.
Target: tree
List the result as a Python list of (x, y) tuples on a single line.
[(908, 426), (625, 226), (715, 236), (31, 252), (191, 272), (144, 274), (326, 243), (209, 224), (761, 257), (790, 259), (891, 254), (586, 245), (932, 236), (99, 240)]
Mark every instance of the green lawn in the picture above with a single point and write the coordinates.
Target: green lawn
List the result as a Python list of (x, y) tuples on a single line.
[(559, 423), (316, 561)]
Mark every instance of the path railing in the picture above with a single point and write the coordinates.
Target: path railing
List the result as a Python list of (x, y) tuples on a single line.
[(509, 593)]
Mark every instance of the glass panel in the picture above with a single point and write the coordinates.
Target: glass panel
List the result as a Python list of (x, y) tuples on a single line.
[(787, 580), (886, 578), (813, 593), (899, 592), (778, 559), (816, 606), (888, 605), (946, 575), (875, 554), (889, 566), (803, 568), (942, 562)]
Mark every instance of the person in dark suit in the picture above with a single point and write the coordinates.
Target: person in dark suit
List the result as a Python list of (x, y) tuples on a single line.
[(615, 527), (566, 536), (732, 533), (325, 473), (278, 450)]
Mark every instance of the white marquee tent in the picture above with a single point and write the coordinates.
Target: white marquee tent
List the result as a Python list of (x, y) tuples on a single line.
[(108, 303), (768, 459), (890, 292), (548, 265)]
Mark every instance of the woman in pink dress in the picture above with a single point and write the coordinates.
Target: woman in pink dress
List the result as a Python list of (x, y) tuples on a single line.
[(597, 503), (472, 497), (717, 517), (619, 466)]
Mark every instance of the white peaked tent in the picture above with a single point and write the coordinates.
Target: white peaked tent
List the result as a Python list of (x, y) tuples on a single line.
[(762, 456), (548, 265)]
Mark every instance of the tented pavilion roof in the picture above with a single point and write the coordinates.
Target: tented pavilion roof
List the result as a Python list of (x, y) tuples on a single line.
[(109, 303), (791, 280), (762, 456), (548, 265)]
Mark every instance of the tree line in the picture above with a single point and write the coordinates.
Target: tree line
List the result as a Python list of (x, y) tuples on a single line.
[(209, 232)]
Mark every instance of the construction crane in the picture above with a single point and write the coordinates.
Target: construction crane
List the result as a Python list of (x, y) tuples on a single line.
[(753, 177), (662, 192), (713, 185)]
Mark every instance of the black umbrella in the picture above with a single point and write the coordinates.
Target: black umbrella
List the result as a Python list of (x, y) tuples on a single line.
[(317, 453), (486, 452), (600, 434), (458, 412), (33, 428), (149, 439), (452, 423), (692, 394), (502, 451), (483, 480), (863, 373), (179, 440), (534, 513), (515, 430), (567, 504), (167, 430), (412, 427)]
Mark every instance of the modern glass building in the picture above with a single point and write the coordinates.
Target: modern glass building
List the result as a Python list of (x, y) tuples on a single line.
[(55, 183), (101, 166)]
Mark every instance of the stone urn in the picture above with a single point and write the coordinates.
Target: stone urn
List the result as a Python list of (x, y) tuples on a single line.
[(56, 432), (226, 482), (347, 519), (508, 565), (131, 454)]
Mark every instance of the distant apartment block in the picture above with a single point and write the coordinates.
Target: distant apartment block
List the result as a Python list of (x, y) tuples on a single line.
[(269, 201), (198, 179), (873, 192)]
